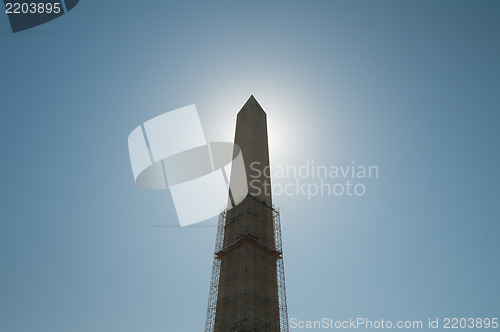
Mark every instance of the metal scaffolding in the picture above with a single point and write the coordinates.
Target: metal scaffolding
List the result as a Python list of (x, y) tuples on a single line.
[(214, 280), (280, 269)]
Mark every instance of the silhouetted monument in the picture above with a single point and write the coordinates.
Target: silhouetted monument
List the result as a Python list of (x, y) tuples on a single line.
[(247, 290)]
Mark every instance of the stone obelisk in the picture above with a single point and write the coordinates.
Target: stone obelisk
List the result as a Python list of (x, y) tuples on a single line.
[(247, 298)]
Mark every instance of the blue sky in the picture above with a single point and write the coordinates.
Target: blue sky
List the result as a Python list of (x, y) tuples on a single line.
[(411, 87)]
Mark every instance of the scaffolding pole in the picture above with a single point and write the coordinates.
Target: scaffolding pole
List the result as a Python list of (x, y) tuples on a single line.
[(280, 269), (214, 280)]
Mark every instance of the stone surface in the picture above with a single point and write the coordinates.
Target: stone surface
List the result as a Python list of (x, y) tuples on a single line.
[(248, 295)]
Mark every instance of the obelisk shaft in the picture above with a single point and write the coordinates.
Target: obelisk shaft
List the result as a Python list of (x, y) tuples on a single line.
[(248, 294)]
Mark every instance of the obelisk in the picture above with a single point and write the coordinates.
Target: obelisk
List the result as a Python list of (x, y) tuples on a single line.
[(247, 298)]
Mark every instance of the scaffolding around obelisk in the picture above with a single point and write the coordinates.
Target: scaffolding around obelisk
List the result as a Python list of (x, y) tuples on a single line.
[(247, 288), (280, 271)]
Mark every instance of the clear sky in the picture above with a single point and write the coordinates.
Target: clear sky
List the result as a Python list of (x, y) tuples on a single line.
[(409, 86)]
